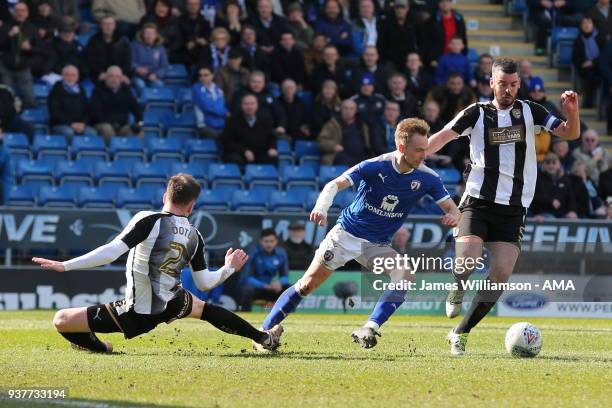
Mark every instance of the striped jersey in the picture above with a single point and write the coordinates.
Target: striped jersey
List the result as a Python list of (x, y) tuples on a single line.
[(161, 244), (503, 165)]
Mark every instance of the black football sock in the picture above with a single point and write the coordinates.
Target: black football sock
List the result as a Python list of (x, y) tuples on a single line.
[(481, 305), (231, 323), (87, 341)]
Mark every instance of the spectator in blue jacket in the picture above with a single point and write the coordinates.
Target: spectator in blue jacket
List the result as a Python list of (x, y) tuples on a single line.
[(149, 58), (260, 273), (335, 28), (454, 61), (209, 104)]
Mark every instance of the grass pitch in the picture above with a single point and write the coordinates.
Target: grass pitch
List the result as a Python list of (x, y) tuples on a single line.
[(189, 363)]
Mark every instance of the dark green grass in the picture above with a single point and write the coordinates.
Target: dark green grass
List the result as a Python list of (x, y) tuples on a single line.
[(189, 363)]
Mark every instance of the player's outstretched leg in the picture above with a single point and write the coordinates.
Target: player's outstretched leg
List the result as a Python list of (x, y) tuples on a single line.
[(73, 325), (467, 247)]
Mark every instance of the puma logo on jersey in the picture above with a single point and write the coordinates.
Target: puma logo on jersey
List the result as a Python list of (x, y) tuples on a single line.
[(97, 316), (382, 177)]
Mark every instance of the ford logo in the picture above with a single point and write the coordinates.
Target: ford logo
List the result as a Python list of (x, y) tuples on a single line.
[(525, 301)]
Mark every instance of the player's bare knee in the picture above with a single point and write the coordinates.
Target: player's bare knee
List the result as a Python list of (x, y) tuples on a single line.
[(60, 320)]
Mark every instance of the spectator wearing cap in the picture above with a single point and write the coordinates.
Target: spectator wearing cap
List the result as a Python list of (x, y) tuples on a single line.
[(268, 25), (67, 50), (366, 24), (601, 15), (194, 29), (484, 92), (325, 105), (335, 27), (370, 105), (585, 58), (419, 80), (107, 48), (443, 26), (232, 76), (370, 63), (215, 54), (209, 104), (397, 91), (553, 195), (454, 61), (168, 28), (561, 148), (266, 273), (345, 140), (69, 111), (294, 111), (453, 96), (331, 69), (302, 31), (288, 61), (149, 58), (298, 251), (592, 154), (398, 34), (253, 57)]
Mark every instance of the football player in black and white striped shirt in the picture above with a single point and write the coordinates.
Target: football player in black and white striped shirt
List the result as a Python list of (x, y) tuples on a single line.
[(160, 244), (500, 183)]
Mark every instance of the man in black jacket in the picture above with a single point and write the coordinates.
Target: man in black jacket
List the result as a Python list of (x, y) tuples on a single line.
[(268, 25), (267, 105), (194, 29), (398, 34), (288, 61), (553, 196), (68, 106), (9, 119), (249, 136), (108, 48), (298, 251), (111, 103), (253, 58), (68, 51), (294, 111)]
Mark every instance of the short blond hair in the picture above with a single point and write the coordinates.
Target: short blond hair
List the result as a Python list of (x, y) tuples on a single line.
[(408, 127)]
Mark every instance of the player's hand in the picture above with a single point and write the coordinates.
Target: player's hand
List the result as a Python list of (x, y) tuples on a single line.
[(275, 286), (49, 264), (318, 217), (450, 219), (569, 101), (235, 258)]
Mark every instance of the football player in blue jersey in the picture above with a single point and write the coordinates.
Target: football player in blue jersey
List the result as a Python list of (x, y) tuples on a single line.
[(388, 186)]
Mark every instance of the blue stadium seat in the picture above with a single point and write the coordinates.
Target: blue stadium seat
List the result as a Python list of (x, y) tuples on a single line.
[(560, 45), (216, 199), (201, 149), (518, 7), (563, 55), (87, 146), (285, 155), (135, 198), (150, 173), (198, 170), (284, 201), (165, 147), (84, 38), (449, 175), (181, 124), (41, 93), (328, 173), (153, 120), (39, 117), (61, 196), (261, 174), (18, 145), (184, 98), (53, 147), (28, 171), (21, 196), (249, 200), (473, 55), (127, 146), (116, 174), (306, 97), (88, 87), (307, 151), (96, 197), (176, 75), (224, 173), (298, 175), (302, 192), (162, 96), (74, 173)]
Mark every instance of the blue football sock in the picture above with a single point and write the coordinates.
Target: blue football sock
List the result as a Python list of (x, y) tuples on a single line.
[(387, 304), (287, 302)]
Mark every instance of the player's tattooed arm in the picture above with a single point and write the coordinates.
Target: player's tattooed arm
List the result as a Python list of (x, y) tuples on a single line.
[(451, 213), (570, 129), (326, 199)]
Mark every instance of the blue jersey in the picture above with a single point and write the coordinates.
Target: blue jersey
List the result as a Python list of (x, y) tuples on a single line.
[(385, 197), (262, 267)]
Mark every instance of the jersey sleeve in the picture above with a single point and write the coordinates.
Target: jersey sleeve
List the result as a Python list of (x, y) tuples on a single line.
[(542, 117), (139, 228), (464, 122), (359, 172), (198, 261), (437, 190)]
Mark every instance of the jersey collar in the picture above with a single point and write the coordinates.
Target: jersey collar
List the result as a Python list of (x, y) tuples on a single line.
[(394, 164)]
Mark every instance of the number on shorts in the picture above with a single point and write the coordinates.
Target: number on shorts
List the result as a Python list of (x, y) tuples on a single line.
[(169, 266)]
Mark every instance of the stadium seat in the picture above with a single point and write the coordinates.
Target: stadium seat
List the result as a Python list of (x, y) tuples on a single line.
[(285, 156), (18, 146), (307, 151), (112, 173), (298, 175), (60, 196), (181, 124), (328, 173), (21, 196), (96, 197), (216, 199), (201, 150), (167, 148), (449, 175), (153, 120), (127, 146), (184, 98), (87, 146), (306, 97), (261, 174), (249, 200), (162, 96), (39, 117), (41, 93), (28, 171), (73, 173), (176, 75), (285, 201), (150, 173), (88, 87), (560, 44), (50, 148), (302, 192), (224, 173), (135, 198), (199, 170)]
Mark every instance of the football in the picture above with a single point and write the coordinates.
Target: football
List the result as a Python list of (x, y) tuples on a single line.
[(523, 340)]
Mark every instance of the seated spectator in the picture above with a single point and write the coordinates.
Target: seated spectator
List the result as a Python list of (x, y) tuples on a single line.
[(268, 26), (345, 140), (366, 24), (553, 195), (560, 147), (595, 157), (16, 43), (208, 104), (195, 31), (370, 105), (168, 28), (302, 32), (332, 69), (298, 251), (585, 58), (601, 15), (389, 121), (268, 106), (333, 25), (149, 59), (288, 61), (485, 66), (326, 105), (68, 106), (108, 48), (127, 14), (419, 80), (232, 76), (588, 202), (526, 75), (401, 241), (249, 137), (9, 116), (370, 63), (484, 92), (253, 57), (232, 19), (68, 51), (431, 114), (111, 103), (398, 34), (313, 56), (544, 14), (294, 111), (443, 26), (452, 97), (215, 54), (266, 273), (454, 61)]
